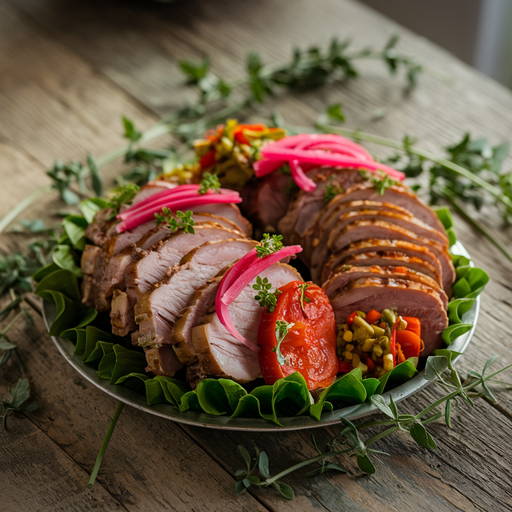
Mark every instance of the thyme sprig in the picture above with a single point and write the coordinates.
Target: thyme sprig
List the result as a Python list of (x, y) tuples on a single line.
[(265, 297), (209, 182), (282, 330), (182, 220), (269, 245), (348, 440)]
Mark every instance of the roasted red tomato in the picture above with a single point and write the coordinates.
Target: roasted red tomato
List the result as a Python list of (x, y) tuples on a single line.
[(309, 346)]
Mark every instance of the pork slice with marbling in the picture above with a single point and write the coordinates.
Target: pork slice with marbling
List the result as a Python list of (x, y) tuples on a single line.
[(219, 353), (158, 309)]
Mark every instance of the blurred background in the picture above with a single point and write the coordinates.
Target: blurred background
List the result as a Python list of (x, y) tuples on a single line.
[(477, 31)]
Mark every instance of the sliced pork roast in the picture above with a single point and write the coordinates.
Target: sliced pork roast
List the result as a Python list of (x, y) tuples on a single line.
[(361, 230), (408, 297), (162, 361), (303, 211), (381, 244), (106, 273), (399, 195), (203, 299), (347, 274), (157, 310), (153, 265), (219, 353), (389, 259), (315, 239)]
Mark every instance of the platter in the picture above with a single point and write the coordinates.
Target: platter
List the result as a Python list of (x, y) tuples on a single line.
[(137, 400)]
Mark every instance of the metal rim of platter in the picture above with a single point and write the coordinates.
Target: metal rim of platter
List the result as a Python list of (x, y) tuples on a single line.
[(137, 400)]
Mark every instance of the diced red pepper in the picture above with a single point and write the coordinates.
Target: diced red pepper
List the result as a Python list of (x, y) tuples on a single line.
[(409, 342), (373, 316), (208, 160), (350, 319), (392, 341), (345, 367), (371, 365)]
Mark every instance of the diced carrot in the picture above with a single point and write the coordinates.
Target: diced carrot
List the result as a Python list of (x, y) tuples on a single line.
[(373, 316)]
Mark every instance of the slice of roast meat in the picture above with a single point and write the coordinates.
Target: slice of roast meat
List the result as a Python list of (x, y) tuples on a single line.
[(408, 297), (303, 211), (405, 221), (158, 309), (265, 201), (347, 274), (389, 259), (109, 267), (162, 361), (396, 194), (315, 239), (219, 353), (362, 230), (378, 245), (200, 304), (153, 265)]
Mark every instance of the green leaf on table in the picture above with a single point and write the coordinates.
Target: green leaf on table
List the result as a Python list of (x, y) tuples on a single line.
[(335, 113), (130, 132), (380, 403), (63, 257), (97, 183), (365, 464), (422, 437), (20, 393)]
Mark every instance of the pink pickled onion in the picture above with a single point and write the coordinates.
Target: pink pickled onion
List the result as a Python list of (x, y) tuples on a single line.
[(317, 149), (155, 197), (299, 176), (320, 157), (144, 215), (237, 278)]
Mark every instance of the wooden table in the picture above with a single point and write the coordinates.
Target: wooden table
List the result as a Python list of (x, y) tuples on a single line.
[(68, 71)]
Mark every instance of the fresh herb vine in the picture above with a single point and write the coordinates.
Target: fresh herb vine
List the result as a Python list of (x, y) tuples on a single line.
[(303, 287), (269, 245), (265, 297), (382, 183), (123, 195), (20, 393), (182, 220), (348, 440), (282, 329)]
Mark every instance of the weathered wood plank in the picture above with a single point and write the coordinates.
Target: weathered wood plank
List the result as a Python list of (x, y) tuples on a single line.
[(151, 464)]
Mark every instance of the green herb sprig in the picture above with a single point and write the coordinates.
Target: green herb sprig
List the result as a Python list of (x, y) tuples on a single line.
[(265, 297), (209, 182), (269, 245), (122, 195), (182, 220), (282, 329), (303, 287), (348, 440), (331, 191), (20, 393)]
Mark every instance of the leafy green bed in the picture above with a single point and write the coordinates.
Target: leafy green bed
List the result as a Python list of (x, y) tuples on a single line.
[(118, 361)]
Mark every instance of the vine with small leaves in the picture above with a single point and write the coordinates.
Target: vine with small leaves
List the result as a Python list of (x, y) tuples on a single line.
[(348, 440)]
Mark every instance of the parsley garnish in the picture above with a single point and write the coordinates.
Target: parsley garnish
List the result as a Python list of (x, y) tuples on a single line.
[(282, 329), (209, 182), (181, 221), (303, 287), (382, 184), (123, 195), (269, 245), (331, 191), (265, 297)]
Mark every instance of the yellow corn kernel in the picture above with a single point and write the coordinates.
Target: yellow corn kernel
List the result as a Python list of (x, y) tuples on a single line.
[(355, 360), (348, 336), (387, 362), (368, 345), (348, 355), (377, 350), (378, 331), (361, 322), (363, 368), (349, 347)]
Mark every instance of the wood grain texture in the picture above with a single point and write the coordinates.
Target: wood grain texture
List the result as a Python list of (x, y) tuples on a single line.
[(68, 72)]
